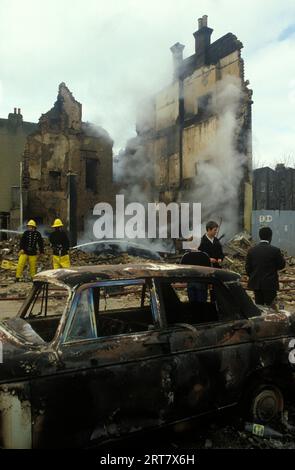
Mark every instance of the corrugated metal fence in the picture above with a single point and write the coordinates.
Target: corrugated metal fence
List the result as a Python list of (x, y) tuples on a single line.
[(282, 224)]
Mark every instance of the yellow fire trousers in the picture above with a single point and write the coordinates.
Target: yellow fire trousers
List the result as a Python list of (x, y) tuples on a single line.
[(61, 261), (22, 261)]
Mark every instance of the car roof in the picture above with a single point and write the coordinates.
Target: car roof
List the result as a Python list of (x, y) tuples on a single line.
[(84, 274)]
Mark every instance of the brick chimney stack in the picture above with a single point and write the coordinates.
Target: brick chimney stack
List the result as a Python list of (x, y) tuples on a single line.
[(177, 53), (203, 38), (15, 119)]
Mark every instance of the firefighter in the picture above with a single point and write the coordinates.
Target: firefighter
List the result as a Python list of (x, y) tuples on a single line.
[(60, 245), (30, 239)]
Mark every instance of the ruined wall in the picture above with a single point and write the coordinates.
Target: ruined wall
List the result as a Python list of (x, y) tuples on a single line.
[(13, 134), (185, 118), (201, 81), (195, 139), (167, 107), (64, 145), (200, 85)]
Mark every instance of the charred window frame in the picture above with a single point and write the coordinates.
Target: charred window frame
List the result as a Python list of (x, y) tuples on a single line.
[(39, 304), (54, 180), (227, 309), (204, 104), (125, 320), (94, 292), (45, 310)]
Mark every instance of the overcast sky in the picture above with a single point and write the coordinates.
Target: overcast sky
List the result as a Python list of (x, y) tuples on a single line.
[(113, 53)]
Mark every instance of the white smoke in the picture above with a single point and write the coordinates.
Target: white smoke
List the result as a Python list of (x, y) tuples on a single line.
[(93, 130), (134, 171)]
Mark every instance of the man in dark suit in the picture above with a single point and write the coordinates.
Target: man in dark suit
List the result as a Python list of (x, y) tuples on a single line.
[(263, 262), (211, 245)]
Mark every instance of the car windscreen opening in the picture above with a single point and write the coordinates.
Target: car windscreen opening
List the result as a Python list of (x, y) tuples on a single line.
[(45, 309)]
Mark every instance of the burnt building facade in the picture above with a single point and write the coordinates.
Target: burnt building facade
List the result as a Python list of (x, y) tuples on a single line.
[(180, 130), (67, 166)]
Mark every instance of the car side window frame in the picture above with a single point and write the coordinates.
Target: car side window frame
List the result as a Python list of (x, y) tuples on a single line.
[(185, 279), (101, 284), (154, 304)]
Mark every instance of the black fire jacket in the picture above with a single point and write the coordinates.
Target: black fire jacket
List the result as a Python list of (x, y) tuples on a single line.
[(59, 242), (29, 242)]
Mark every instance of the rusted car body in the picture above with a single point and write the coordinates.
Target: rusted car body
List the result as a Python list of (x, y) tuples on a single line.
[(99, 352)]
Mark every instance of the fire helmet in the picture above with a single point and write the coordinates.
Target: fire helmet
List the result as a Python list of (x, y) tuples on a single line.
[(57, 223), (32, 223)]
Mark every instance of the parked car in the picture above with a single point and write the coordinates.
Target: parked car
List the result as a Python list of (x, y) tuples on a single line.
[(100, 352)]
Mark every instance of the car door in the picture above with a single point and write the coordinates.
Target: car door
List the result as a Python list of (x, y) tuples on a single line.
[(113, 382), (272, 331), (211, 354)]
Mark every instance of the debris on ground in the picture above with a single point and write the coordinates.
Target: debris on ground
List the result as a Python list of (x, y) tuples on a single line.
[(9, 256), (235, 251), (236, 434)]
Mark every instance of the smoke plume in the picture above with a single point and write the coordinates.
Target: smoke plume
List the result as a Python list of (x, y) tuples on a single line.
[(220, 164)]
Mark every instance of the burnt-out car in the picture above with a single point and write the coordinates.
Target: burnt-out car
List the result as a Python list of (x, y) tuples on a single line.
[(100, 352)]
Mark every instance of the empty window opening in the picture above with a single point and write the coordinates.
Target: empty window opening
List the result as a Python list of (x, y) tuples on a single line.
[(91, 168), (54, 180)]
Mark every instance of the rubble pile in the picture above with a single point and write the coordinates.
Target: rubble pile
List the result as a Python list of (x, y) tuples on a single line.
[(80, 258), (235, 255), (235, 251), (9, 255)]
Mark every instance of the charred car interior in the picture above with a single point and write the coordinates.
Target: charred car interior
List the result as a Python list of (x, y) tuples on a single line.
[(96, 353)]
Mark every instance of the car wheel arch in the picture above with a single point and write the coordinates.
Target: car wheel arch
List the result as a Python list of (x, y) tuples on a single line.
[(264, 390)]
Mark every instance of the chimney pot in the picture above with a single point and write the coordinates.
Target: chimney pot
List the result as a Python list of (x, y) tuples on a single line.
[(14, 110), (205, 20), (18, 111), (280, 166), (200, 21)]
